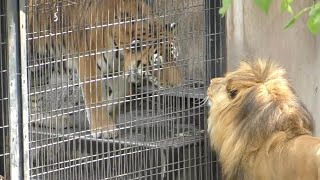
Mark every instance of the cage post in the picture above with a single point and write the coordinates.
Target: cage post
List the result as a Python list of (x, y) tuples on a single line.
[(215, 57), (16, 55), (3, 91), (24, 88)]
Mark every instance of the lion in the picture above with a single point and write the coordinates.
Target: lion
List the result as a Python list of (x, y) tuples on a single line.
[(259, 127), (117, 38)]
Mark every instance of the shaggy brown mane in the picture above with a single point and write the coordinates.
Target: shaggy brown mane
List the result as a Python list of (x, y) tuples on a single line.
[(253, 108), (268, 103)]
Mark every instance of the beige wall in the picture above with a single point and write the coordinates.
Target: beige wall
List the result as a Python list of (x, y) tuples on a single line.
[(252, 33)]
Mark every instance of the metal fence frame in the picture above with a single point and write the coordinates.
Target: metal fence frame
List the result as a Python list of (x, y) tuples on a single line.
[(3, 91), (17, 76), (214, 68), (17, 90)]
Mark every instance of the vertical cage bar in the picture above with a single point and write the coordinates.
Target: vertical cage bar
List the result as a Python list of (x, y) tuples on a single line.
[(215, 62), (14, 85), (207, 28), (24, 88), (4, 170)]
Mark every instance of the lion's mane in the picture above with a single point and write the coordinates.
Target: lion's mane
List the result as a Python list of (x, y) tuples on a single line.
[(253, 108)]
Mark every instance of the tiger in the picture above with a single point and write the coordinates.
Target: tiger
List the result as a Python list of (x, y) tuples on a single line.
[(102, 40)]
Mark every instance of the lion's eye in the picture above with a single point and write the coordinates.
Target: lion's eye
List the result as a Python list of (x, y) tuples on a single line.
[(233, 93)]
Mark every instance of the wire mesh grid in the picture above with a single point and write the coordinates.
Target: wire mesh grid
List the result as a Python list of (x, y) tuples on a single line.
[(4, 123), (116, 88)]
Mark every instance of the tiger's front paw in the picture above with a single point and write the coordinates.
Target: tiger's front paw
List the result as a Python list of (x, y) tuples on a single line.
[(106, 133)]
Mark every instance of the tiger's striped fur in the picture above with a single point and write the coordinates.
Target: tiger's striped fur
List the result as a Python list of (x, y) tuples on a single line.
[(82, 35)]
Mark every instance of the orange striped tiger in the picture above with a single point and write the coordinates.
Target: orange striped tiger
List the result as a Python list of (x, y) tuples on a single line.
[(119, 38)]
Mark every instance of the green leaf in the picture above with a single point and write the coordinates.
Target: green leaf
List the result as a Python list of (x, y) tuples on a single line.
[(313, 26), (225, 6), (263, 4), (296, 17), (315, 9), (286, 6), (314, 19)]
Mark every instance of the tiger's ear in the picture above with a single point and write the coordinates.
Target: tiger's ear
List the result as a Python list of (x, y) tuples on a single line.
[(171, 27)]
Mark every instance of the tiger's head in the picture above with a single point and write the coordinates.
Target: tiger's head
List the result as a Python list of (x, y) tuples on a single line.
[(154, 58), (150, 50)]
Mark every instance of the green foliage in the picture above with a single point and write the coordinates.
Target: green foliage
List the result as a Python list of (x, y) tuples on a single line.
[(314, 19), (264, 5), (313, 23), (286, 6), (296, 17), (225, 6)]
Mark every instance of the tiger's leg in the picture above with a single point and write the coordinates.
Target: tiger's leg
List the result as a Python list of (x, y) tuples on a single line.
[(94, 89)]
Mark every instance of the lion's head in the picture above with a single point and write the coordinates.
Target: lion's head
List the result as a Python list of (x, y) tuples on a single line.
[(252, 107)]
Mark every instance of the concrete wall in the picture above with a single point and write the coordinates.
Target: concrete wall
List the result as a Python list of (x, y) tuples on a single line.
[(250, 32)]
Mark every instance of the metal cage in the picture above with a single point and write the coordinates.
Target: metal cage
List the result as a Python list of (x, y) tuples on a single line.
[(67, 67), (4, 127)]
